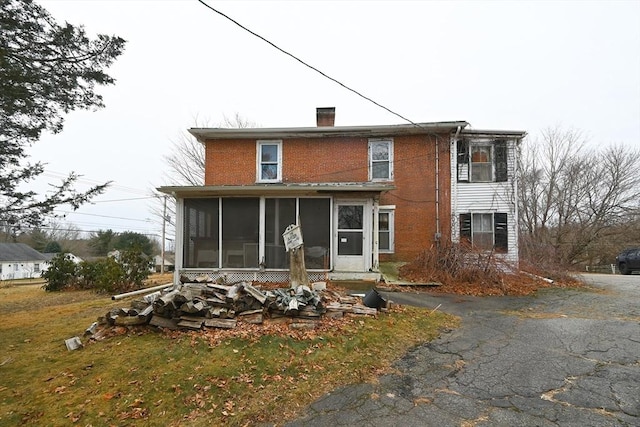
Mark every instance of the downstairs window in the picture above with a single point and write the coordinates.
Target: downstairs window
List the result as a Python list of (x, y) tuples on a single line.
[(485, 231)]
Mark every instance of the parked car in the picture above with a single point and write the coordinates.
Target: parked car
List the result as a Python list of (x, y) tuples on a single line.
[(629, 261)]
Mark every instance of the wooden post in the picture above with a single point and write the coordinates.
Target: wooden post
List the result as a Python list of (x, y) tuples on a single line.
[(298, 272), (295, 246)]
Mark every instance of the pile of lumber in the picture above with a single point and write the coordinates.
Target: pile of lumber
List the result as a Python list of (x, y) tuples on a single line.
[(214, 305)]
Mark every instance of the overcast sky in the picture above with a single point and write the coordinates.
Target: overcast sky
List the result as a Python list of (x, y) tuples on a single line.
[(498, 65)]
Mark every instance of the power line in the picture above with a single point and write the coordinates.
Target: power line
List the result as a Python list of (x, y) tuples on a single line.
[(323, 74), (103, 216), (80, 178), (308, 65), (78, 230), (124, 200)]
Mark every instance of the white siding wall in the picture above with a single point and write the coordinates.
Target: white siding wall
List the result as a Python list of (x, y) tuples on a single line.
[(486, 197), (25, 270)]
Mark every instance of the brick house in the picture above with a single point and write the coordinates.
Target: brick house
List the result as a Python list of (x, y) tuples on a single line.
[(362, 195)]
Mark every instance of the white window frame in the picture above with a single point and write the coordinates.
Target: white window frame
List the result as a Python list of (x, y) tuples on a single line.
[(389, 142), (490, 164), (475, 234), (260, 163), (391, 210)]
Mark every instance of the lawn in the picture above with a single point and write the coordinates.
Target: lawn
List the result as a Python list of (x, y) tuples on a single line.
[(140, 376)]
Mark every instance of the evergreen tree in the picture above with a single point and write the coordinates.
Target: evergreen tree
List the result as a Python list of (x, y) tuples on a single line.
[(46, 70)]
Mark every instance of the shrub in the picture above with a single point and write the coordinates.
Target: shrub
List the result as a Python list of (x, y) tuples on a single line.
[(457, 264), (137, 266), (105, 275), (62, 273)]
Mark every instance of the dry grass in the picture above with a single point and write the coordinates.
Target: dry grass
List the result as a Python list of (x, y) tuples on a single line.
[(140, 377)]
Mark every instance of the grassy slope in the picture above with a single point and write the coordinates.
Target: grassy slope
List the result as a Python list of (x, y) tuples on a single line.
[(138, 377)]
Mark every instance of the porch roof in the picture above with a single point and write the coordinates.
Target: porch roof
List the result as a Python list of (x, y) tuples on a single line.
[(204, 134), (275, 189)]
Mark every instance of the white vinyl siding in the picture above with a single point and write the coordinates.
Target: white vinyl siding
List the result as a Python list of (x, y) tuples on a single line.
[(484, 197)]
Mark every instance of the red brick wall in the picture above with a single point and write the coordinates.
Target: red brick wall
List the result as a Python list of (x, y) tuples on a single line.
[(415, 196), (346, 160), (230, 162), (327, 160), (304, 160)]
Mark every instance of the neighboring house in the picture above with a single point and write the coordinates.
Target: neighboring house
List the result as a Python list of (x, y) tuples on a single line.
[(50, 255), (20, 261), (362, 195), (168, 263)]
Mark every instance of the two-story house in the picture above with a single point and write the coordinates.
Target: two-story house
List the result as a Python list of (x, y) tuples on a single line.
[(362, 195)]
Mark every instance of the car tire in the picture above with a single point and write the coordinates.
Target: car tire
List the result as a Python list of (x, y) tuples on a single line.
[(623, 268)]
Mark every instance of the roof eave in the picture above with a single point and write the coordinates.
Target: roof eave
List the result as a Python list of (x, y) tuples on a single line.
[(208, 134), (273, 189), (519, 134)]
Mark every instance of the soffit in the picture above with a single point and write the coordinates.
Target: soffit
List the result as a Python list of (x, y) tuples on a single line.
[(274, 189), (208, 134)]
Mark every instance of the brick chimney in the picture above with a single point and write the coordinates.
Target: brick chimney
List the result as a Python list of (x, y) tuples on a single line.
[(325, 117)]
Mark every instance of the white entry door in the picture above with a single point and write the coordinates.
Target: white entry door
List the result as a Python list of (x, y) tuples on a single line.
[(351, 222)]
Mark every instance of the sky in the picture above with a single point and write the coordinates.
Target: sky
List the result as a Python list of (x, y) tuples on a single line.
[(497, 65)]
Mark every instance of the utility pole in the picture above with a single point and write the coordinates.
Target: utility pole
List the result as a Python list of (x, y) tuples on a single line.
[(164, 226)]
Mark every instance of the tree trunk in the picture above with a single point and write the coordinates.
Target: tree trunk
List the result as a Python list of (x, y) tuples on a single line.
[(298, 272)]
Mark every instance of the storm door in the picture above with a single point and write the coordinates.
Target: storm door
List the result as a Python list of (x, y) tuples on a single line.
[(351, 223)]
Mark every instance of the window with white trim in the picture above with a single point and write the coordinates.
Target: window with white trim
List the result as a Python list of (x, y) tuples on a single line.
[(481, 163), (380, 159), (269, 161), (485, 231), (386, 219)]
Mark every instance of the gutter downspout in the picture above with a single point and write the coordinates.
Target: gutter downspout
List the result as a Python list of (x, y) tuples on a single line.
[(438, 235)]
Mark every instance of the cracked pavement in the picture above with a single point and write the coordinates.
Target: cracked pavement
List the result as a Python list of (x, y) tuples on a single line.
[(565, 357)]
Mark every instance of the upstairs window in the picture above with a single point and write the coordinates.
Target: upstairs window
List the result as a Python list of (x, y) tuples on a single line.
[(482, 161), (380, 160), (269, 164)]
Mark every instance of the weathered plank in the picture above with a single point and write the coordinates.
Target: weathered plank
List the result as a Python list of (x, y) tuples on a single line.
[(218, 287), (259, 296), (251, 316), (220, 323), (234, 292), (361, 309), (163, 322), (130, 320), (190, 324)]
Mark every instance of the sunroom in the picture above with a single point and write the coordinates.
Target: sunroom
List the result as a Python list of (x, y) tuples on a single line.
[(235, 232)]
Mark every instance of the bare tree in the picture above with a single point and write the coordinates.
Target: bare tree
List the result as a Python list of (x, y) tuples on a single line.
[(572, 199), (186, 160), (186, 163)]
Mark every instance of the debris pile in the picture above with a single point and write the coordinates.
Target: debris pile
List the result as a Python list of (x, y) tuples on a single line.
[(204, 304)]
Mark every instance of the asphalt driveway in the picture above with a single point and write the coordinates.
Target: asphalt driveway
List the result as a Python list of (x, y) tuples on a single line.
[(561, 358)]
